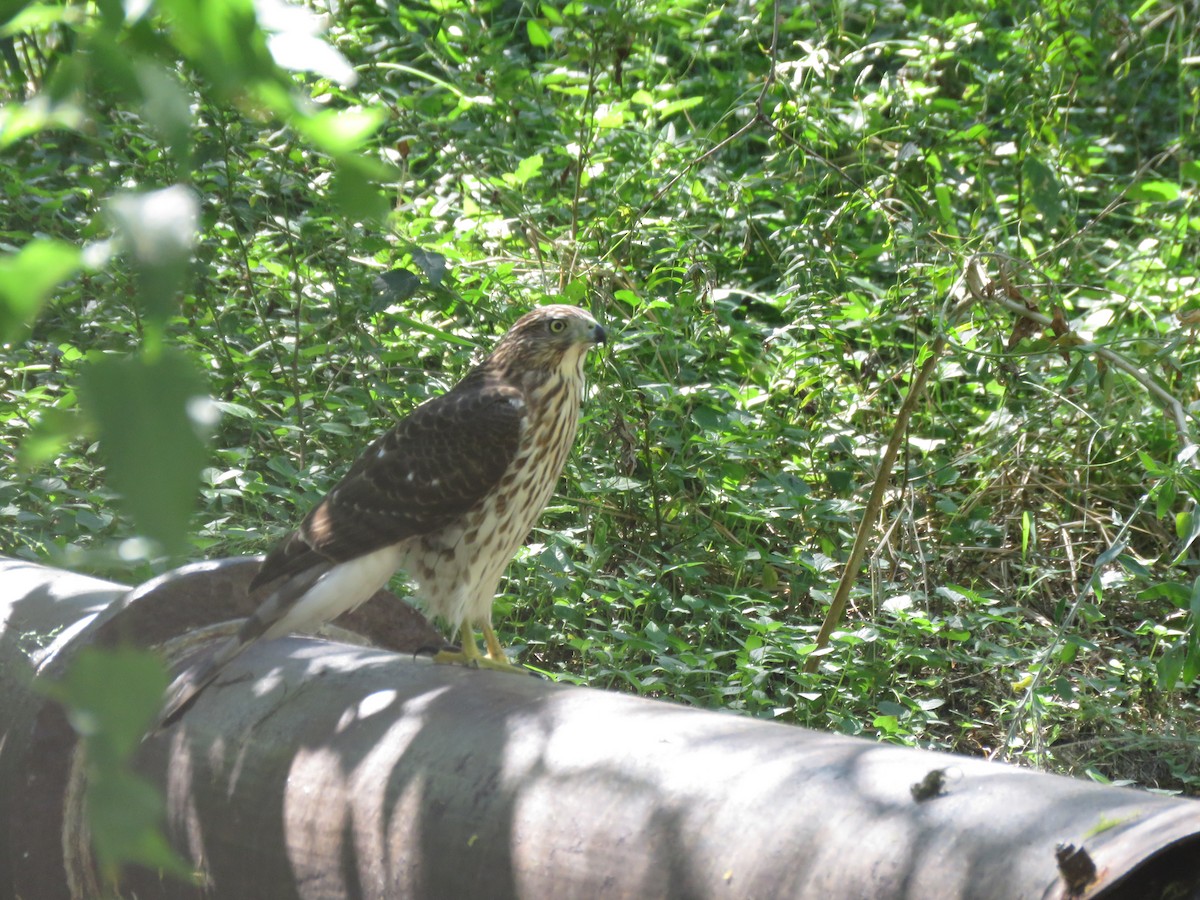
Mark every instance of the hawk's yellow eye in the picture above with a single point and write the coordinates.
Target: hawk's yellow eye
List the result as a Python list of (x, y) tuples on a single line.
[(557, 325)]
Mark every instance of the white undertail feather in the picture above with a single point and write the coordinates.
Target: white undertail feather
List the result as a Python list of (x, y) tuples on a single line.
[(341, 589)]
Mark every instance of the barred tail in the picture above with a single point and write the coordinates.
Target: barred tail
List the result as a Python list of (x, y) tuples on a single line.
[(189, 683)]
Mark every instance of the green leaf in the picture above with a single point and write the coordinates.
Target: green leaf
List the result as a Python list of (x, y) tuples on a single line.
[(152, 415), (50, 433), (1171, 591), (669, 107), (166, 106), (431, 263), (1164, 500), (887, 724), (300, 51), (35, 18), (112, 697), (529, 167), (392, 287), (945, 206), (538, 36), (1044, 190), (1153, 467), (222, 39), (236, 410), (339, 132), (28, 278), (1170, 665), (356, 193), (1191, 663), (158, 227), (1155, 191), (125, 815), (20, 120)]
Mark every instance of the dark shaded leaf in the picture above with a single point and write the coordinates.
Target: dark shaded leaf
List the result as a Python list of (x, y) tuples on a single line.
[(431, 263), (392, 287)]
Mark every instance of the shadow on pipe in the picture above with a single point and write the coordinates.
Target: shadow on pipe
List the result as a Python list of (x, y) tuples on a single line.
[(319, 769)]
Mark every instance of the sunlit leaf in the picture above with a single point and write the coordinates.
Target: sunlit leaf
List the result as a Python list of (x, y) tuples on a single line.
[(20, 120), (159, 227), (669, 107), (338, 132), (1155, 191), (538, 35), (48, 436), (528, 168), (357, 193), (38, 17), (295, 41)]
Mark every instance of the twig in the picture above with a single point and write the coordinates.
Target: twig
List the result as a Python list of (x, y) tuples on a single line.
[(883, 476), (984, 290)]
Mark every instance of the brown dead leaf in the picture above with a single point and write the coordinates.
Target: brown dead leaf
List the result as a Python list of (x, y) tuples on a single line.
[(1189, 318), (1023, 327), (1061, 331), (1059, 323), (1012, 291)]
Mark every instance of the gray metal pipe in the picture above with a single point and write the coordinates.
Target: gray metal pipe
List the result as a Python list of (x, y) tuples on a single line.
[(322, 770)]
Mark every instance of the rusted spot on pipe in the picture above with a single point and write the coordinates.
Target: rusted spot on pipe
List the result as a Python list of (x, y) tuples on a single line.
[(1076, 867)]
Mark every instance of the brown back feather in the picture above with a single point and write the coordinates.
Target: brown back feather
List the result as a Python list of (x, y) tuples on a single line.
[(432, 467)]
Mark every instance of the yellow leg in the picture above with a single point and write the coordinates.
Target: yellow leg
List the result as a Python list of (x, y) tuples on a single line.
[(495, 651), (470, 655)]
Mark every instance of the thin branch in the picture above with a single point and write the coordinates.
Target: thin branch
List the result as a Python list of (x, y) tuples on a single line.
[(1152, 163), (984, 290), (866, 524)]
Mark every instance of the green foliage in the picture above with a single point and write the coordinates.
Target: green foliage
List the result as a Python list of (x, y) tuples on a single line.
[(112, 698), (27, 279), (159, 487), (775, 266)]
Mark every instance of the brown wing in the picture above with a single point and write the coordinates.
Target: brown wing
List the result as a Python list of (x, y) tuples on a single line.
[(435, 465)]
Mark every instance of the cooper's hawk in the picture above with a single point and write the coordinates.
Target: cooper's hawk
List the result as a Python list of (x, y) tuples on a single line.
[(448, 495)]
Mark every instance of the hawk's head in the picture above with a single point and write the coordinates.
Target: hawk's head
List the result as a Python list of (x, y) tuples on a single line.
[(549, 338)]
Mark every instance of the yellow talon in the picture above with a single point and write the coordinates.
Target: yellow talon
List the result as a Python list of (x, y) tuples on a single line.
[(496, 659)]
